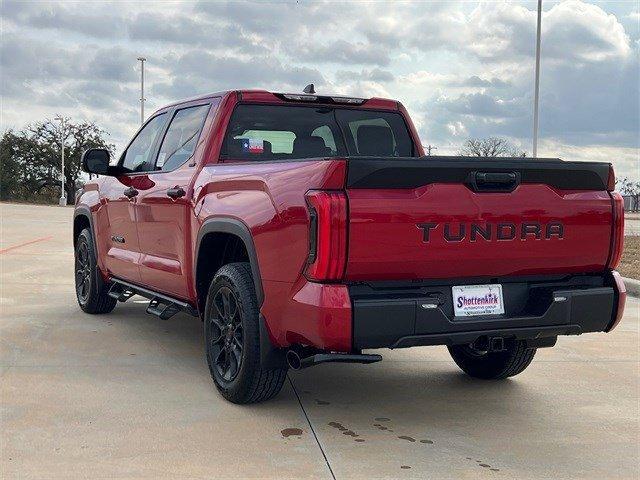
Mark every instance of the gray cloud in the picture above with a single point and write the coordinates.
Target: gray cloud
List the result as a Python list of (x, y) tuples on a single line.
[(198, 72), (24, 60), (374, 75), (462, 69), (62, 17), (476, 81), (338, 51)]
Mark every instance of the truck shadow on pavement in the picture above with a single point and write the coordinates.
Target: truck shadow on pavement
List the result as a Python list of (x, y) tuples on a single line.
[(414, 398), (414, 384)]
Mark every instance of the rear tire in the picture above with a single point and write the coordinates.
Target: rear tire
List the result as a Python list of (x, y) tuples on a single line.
[(91, 290), (493, 365), (232, 335)]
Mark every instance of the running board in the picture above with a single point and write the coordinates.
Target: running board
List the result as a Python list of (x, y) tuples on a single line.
[(160, 305)]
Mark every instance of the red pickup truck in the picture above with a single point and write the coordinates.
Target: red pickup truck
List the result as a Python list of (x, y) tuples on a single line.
[(305, 229)]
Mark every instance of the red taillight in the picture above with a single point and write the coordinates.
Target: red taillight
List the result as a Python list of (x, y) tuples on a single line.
[(617, 240), (328, 235), (611, 181)]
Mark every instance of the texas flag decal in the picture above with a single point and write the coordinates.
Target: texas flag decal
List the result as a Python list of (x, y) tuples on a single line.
[(253, 145)]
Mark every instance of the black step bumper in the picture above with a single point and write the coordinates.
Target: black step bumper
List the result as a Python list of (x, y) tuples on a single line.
[(397, 315)]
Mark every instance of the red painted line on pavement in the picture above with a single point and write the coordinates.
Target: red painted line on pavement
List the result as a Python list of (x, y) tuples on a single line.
[(5, 250)]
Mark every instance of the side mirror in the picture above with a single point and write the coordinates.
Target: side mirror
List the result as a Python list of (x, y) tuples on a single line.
[(96, 160)]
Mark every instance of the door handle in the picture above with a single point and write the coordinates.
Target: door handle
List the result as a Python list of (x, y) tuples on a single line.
[(176, 192), (130, 192)]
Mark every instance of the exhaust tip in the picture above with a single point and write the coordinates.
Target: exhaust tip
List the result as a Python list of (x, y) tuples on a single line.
[(293, 360)]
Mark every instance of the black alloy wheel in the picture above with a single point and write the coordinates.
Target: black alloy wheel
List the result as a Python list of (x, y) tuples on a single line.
[(83, 273), (92, 291), (227, 339)]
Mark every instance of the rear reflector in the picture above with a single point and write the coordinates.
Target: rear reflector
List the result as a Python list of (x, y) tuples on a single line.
[(617, 237), (621, 292), (327, 235)]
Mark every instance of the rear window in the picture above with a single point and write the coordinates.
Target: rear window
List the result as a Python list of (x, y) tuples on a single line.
[(280, 132)]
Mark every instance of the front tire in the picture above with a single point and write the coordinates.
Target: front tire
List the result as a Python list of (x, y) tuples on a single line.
[(91, 291), (232, 335), (493, 365)]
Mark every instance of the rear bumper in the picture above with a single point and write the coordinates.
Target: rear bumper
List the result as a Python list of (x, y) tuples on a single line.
[(399, 315)]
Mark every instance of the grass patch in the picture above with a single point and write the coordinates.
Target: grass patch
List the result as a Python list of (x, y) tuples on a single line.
[(630, 262)]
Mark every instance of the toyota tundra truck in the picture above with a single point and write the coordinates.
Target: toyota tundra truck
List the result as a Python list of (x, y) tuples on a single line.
[(304, 229)]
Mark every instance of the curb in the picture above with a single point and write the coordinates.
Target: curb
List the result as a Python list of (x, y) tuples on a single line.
[(633, 286)]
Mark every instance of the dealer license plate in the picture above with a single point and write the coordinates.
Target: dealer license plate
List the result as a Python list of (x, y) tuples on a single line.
[(472, 300)]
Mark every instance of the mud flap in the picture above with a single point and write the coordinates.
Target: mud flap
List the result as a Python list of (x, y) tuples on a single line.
[(271, 358)]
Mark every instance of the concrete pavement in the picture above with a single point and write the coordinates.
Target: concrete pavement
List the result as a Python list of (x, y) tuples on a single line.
[(126, 395), (632, 224)]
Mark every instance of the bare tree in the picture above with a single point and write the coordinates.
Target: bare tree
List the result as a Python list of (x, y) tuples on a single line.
[(490, 147), (632, 189)]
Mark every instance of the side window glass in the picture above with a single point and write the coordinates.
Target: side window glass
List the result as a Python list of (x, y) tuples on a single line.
[(136, 158), (181, 138), (379, 125), (325, 133)]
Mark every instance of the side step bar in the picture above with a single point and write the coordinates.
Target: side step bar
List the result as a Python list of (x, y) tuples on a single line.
[(160, 305)]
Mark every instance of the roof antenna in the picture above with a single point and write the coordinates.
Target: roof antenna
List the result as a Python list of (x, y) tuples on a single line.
[(309, 89)]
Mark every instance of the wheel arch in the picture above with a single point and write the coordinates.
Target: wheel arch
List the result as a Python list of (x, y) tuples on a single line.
[(228, 227), (82, 219)]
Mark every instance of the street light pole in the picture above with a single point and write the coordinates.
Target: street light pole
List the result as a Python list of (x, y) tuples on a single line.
[(536, 96), (63, 195), (142, 99)]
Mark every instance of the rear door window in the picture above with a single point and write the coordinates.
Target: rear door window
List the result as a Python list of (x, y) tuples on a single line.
[(181, 138)]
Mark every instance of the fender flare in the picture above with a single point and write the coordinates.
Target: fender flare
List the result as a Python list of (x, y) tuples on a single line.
[(239, 229), (83, 211)]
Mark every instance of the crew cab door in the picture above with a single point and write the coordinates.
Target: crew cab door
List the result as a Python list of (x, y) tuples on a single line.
[(164, 207), (119, 195)]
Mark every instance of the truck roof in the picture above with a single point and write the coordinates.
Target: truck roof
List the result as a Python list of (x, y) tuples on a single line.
[(264, 96)]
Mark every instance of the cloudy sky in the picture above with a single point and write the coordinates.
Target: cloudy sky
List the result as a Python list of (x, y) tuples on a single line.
[(463, 69)]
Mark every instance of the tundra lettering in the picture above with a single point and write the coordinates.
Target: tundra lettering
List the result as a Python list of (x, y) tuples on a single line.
[(503, 231), (304, 228)]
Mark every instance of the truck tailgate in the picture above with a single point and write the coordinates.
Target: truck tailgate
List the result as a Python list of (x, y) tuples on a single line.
[(456, 217)]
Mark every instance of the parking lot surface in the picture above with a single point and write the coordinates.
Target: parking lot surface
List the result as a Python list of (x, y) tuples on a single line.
[(632, 224), (126, 395)]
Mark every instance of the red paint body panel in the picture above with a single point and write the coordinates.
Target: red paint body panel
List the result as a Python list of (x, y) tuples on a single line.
[(269, 198), (164, 233), (118, 217), (384, 242)]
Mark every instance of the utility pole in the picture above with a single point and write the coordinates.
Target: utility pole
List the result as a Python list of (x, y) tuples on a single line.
[(536, 96), (142, 99), (429, 148), (63, 195)]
